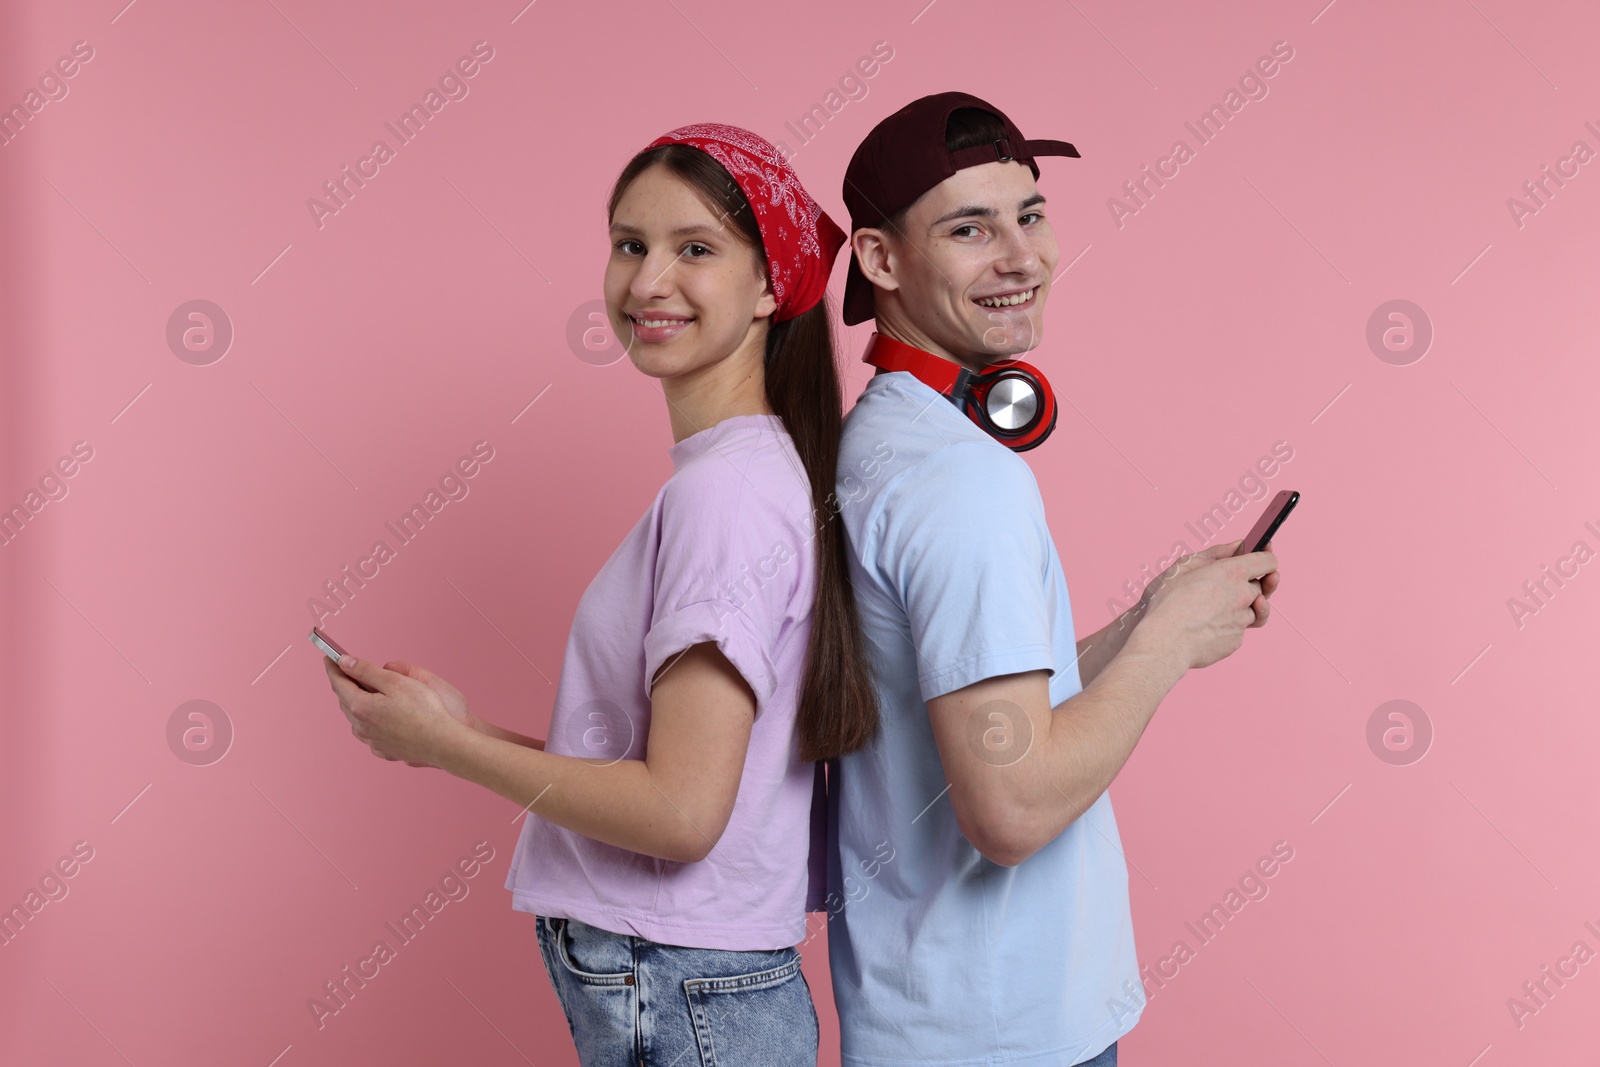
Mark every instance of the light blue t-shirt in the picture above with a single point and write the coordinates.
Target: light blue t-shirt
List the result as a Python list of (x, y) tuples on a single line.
[(940, 956)]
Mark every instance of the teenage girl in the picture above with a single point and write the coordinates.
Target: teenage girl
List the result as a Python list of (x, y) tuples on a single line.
[(713, 659)]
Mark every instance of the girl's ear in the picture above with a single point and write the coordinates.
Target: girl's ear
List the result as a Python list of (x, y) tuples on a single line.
[(766, 304)]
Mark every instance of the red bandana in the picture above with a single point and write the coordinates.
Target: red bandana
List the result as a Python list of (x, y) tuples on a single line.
[(800, 240)]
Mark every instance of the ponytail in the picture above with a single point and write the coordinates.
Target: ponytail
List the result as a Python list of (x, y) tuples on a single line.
[(838, 706)]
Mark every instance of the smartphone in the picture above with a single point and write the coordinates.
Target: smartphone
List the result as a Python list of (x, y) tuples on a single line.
[(331, 649), (329, 646), (1269, 522)]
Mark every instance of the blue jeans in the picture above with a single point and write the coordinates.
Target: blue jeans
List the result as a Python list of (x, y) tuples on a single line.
[(632, 1002), (1108, 1058)]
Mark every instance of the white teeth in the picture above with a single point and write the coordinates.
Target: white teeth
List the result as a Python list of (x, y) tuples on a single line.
[(1006, 301), (661, 322)]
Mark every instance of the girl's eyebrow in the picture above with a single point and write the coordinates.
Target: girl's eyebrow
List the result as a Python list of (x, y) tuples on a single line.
[(681, 231)]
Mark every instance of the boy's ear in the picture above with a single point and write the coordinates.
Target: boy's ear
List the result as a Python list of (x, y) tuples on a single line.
[(874, 257)]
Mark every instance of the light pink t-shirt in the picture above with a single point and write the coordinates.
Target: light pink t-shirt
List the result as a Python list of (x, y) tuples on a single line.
[(724, 554)]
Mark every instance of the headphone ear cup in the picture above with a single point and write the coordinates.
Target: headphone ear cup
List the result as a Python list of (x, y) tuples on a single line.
[(1038, 438), (1013, 402), (1034, 393)]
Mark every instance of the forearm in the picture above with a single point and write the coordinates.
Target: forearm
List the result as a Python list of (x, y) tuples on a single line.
[(1102, 646), (500, 733), (1091, 736), (616, 802)]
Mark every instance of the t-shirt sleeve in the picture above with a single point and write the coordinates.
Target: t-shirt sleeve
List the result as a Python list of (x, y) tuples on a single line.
[(726, 568), (965, 544)]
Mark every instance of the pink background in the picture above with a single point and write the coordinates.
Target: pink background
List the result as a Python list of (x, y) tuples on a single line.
[(369, 354)]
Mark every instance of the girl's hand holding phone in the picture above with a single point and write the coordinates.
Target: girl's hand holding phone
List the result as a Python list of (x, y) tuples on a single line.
[(400, 715), (454, 701)]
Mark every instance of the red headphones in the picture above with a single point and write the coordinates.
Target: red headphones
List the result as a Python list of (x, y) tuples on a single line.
[(1011, 402)]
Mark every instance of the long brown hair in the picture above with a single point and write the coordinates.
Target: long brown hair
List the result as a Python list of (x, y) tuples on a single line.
[(838, 710)]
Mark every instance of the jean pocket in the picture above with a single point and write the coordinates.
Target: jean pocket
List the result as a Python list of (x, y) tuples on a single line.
[(755, 980), (591, 955), (764, 1017)]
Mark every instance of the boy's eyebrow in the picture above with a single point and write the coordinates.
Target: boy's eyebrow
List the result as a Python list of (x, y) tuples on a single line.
[(964, 211), (979, 211)]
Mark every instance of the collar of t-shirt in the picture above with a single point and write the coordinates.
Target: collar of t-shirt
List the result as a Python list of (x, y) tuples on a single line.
[(710, 437)]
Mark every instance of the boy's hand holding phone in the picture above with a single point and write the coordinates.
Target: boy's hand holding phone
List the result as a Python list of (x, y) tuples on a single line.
[(1204, 602), (1200, 607)]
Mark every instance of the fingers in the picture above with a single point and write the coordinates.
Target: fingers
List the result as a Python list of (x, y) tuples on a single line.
[(1258, 564), (344, 706), (376, 751), (347, 688), (369, 676), (348, 691), (381, 754), (361, 735), (1269, 583), (1262, 609), (344, 688)]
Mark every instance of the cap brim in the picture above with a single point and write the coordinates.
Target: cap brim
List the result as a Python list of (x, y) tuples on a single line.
[(858, 303)]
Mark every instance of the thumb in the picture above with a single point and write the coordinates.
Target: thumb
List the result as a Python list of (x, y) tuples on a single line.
[(364, 672), (1221, 551)]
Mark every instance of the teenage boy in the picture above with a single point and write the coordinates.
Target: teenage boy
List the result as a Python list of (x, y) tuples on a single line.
[(979, 907)]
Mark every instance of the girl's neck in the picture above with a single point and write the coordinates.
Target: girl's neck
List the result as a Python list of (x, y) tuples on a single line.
[(702, 398)]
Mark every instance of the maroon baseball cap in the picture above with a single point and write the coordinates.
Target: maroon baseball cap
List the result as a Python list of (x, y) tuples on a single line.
[(904, 156)]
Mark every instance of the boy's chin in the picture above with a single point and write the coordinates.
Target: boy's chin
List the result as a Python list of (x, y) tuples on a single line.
[(995, 346)]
